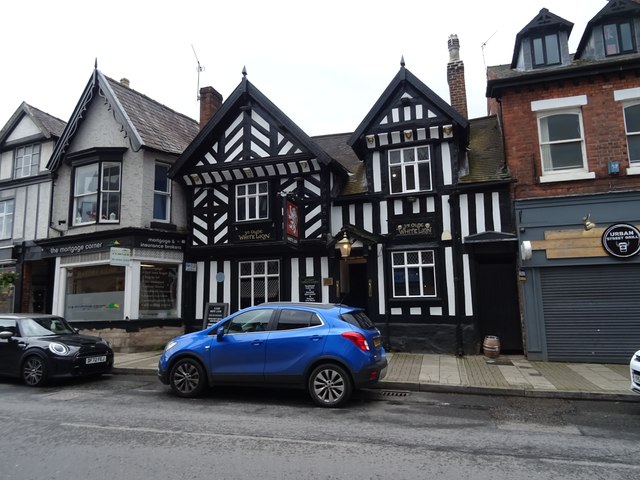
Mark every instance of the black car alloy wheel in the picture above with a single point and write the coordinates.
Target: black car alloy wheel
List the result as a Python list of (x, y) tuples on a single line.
[(187, 378), (330, 386), (34, 371)]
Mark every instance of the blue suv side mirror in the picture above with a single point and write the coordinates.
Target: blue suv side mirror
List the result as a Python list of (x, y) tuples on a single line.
[(220, 333)]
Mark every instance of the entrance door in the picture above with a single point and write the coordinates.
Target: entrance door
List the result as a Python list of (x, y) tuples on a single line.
[(357, 294), (497, 298)]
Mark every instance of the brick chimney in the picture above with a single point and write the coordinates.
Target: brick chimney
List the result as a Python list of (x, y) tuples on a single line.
[(455, 77), (210, 102)]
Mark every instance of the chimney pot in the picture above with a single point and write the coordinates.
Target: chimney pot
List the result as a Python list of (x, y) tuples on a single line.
[(455, 77), (124, 81)]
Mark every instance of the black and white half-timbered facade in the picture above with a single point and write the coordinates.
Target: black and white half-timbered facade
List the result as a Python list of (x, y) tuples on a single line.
[(399, 217)]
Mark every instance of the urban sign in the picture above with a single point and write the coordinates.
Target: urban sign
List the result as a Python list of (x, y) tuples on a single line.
[(621, 240)]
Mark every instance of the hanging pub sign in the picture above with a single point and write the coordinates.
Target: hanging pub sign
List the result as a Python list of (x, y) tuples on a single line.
[(291, 222), (621, 240)]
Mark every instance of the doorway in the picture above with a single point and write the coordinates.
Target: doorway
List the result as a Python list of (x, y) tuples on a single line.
[(355, 283), (497, 297)]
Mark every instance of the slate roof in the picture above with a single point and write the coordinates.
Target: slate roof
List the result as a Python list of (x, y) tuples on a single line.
[(147, 123), (159, 127), (486, 152), (50, 126), (337, 147), (500, 76)]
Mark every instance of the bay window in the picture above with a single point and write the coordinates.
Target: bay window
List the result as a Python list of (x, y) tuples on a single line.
[(96, 193)]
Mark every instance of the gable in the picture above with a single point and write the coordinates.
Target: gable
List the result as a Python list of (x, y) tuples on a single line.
[(23, 129), (407, 107), (249, 137)]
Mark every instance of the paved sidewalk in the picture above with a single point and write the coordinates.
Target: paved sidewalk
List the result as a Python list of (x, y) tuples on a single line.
[(506, 375)]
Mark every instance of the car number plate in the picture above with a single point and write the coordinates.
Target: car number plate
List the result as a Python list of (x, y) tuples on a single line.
[(636, 378), (376, 342), (100, 359)]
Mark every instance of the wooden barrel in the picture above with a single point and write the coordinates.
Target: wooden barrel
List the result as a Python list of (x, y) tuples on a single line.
[(491, 346)]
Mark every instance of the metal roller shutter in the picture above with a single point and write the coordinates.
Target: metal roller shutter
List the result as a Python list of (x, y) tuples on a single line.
[(592, 313)]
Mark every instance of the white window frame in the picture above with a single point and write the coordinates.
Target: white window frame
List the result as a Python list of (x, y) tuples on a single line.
[(629, 97), (99, 191), (252, 200), (27, 164), (406, 266), (558, 106), (253, 276), (164, 195), (6, 218), (406, 167)]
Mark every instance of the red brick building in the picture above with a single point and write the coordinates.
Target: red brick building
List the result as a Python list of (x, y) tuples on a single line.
[(571, 125)]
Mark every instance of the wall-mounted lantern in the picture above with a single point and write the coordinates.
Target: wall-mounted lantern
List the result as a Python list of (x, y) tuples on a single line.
[(345, 246)]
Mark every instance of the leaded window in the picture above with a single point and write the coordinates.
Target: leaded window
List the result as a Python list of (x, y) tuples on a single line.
[(414, 273), (259, 282)]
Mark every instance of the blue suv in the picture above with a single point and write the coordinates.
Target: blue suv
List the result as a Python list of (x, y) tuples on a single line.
[(329, 350)]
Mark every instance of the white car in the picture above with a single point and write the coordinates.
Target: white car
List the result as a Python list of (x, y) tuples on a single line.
[(634, 372)]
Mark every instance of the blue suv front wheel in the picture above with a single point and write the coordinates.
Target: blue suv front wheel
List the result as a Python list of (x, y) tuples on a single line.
[(187, 378)]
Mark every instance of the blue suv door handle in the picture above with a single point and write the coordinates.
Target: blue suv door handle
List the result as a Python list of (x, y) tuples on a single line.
[(315, 338), (257, 342)]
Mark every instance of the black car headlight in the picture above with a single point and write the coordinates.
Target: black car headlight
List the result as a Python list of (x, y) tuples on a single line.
[(59, 349)]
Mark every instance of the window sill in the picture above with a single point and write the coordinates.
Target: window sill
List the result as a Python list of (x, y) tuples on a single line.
[(633, 170), (566, 177)]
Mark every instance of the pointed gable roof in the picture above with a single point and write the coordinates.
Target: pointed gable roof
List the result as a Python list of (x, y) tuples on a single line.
[(50, 126), (404, 87), (544, 21), (145, 122), (613, 9), (247, 98)]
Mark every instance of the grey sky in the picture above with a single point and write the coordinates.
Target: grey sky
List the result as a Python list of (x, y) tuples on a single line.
[(323, 63)]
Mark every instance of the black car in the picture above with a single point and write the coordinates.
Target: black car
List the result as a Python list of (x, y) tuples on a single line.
[(38, 347)]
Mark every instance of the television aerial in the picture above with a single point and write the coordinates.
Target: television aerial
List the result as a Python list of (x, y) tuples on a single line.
[(199, 69)]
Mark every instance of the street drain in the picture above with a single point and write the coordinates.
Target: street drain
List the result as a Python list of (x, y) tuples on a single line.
[(394, 393)]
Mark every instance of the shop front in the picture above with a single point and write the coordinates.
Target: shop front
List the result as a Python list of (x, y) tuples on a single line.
[(124, 286), (579, 276)]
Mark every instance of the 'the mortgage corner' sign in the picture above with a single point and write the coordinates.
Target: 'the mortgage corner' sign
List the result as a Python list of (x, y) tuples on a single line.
[(621, 240)]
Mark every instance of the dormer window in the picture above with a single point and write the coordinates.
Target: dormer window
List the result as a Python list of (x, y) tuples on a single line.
[(546, 50), (618, 38)]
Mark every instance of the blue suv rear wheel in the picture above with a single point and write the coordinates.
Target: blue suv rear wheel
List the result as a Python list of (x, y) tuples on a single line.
[(330, 386)]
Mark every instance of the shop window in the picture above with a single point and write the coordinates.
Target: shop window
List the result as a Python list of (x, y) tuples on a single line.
[(252, 201), (27, 161), (161, 194), (96, 193), (95, 292), (562, 142), (632, 127), (414, 274), (546, 50), (158, 291), (6, 219), (618, 38), (410, 170), (259, 282)]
